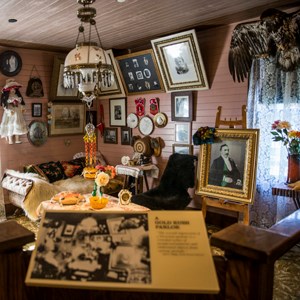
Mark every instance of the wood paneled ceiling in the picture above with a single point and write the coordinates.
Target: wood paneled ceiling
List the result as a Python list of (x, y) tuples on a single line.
[(53, 24)]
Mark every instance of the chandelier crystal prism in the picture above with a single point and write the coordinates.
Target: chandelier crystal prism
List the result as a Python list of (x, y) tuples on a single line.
[(87, 66)]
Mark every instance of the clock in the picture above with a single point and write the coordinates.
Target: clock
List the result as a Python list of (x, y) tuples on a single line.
[(132, 120), (146, 125)]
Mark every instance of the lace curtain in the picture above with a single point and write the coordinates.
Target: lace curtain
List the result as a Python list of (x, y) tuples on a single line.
[(273, 95)]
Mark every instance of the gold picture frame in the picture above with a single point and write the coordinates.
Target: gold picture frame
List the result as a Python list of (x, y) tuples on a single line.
[(180, 62), (57, 90), (243, 148), (66, 118)]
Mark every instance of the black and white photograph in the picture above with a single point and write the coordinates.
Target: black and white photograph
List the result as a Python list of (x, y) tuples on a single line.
[(180, 61), (126, 135), (183, 133), (227, 168), (182, 106), (110, 135), (227, 164), (183, 149), (140, 72), (67, 118), (10, 63), (92, 247), (36, 109), (117, 112)]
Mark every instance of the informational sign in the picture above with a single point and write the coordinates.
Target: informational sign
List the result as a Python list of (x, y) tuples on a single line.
[(140, 251)]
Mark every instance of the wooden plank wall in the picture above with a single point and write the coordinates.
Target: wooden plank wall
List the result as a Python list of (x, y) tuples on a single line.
[(214, 45)]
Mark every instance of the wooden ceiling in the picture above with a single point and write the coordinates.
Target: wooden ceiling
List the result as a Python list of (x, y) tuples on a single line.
[(53, 24)]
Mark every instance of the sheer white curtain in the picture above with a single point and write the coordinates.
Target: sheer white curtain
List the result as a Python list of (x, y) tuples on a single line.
[(273, 95)]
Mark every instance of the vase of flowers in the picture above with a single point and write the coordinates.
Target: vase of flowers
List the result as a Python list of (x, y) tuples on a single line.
[(105, 173), (283, 132)]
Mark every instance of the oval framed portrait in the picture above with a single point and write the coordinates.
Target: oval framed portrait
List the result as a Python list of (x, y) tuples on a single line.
[(10, 63), (37, 133)]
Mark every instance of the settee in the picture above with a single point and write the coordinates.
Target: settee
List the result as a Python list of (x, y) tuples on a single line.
[(38, 183)]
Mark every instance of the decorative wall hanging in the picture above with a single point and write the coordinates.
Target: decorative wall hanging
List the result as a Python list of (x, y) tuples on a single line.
[(132, 120), (140, 106), (35, 85), (154, 106), (146, 125), (140, 73), (37, 133), (180, 62), (160, 120), (10, 63)]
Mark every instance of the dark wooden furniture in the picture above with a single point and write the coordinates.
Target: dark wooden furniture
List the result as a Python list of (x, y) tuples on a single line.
[(251, 254), (283, 190)]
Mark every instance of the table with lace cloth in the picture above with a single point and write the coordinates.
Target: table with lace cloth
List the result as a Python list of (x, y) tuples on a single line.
[(112, 205), (150, 170)]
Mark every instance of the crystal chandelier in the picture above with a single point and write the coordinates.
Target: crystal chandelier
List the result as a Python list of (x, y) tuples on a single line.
[(87, 66)]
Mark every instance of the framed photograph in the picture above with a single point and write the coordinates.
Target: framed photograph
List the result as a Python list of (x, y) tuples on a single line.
[(36, 109), (10, 63), (183, 149), (126, 135), (227, 168), (67, 118), (110, 135), (116, 90), (180, 62), (57, 90), (117, 112), (182, 106), (140, 73), (183, 133)]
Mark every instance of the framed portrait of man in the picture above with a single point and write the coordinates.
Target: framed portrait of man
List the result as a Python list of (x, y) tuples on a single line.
[(227, 168)]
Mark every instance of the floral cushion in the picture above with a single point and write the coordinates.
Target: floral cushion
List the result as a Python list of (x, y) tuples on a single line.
[(73, 167), (53, 170)]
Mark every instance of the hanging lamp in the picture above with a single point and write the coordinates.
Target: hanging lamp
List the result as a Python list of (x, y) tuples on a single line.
[(87, 66)]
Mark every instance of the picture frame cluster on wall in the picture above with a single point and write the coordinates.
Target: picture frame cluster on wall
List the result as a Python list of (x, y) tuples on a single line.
[(140, 73), (180, 62)]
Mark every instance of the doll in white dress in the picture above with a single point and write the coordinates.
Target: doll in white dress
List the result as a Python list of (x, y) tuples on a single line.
[(13, 123)]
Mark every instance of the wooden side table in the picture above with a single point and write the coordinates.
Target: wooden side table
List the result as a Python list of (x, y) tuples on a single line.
[(283, 190)]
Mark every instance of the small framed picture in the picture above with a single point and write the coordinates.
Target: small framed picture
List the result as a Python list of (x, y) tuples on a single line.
[(183, 149), (183, 133), (182, 106), (10, 63), (36, 109), (126, 134), (117, 112), (110, 135)]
